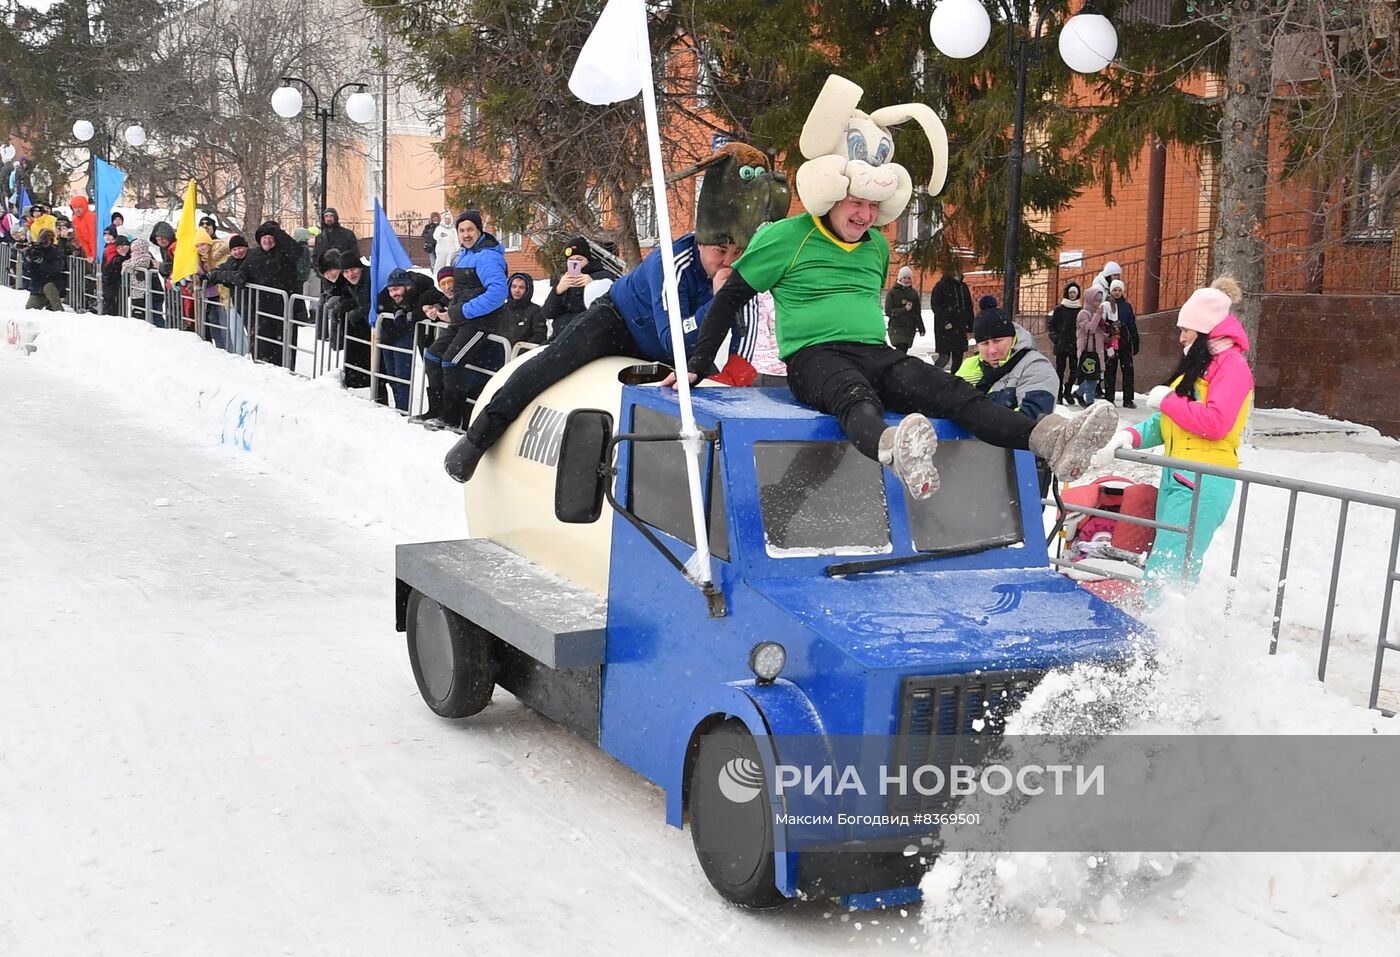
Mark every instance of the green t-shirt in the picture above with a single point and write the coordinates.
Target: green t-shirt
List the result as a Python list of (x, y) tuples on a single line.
[(824, 290)]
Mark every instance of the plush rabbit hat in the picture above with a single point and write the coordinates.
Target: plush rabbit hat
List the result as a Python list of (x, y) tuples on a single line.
[(848, 152)]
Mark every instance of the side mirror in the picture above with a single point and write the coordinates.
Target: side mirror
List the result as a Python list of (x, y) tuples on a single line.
[(579, 479)]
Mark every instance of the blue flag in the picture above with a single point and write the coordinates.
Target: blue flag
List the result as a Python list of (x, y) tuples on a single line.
[(107, 190), (23, 199), (386, 254)]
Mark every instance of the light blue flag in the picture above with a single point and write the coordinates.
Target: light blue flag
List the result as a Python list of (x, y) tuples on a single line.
[(110, 181), (386, 254)]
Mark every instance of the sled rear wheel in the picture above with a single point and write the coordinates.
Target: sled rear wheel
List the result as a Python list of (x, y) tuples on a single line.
[(731, 818), (451, 658)]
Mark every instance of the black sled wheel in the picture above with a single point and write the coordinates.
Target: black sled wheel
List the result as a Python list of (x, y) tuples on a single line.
[(731, 819), (451, 658)]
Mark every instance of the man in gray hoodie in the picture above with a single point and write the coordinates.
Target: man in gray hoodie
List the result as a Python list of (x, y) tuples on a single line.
[(1008, 368)]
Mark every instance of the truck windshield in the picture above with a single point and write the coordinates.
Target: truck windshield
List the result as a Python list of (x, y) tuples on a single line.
[(825, 498), (821, 498), (976, 505)]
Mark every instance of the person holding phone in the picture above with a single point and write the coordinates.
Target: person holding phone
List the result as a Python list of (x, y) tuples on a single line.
[(565, 301)]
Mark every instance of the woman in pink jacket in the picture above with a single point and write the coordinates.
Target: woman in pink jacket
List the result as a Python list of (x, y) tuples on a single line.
[(1201, 416), (1089, 342)]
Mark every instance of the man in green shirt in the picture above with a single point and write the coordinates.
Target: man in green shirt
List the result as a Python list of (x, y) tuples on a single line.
[(826, 273)]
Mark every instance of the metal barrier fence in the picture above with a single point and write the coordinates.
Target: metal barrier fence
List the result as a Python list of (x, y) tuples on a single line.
[(1295, 487)]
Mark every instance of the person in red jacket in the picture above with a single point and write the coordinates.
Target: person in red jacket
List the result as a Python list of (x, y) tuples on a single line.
[(84, 226)]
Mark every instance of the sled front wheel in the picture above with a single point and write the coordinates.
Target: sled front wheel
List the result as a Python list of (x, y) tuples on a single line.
[(731, 818), (451, 658)]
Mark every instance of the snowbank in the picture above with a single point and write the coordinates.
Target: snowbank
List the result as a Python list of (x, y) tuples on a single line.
[(360, 454)]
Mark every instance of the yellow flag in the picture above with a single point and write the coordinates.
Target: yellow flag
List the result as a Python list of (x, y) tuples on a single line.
[(186, 255)]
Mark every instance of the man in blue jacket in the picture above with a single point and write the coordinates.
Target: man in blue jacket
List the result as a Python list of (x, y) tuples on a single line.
[(478, 293), (630, 319)]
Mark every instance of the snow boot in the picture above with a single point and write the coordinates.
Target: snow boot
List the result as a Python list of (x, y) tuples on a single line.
[(460, 462), (908, 451), (1068, 444), (454, 408), (433, 410)]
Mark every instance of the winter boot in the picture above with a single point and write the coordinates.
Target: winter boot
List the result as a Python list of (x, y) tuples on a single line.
[(433, 410), (454, 407), (908, 451), (460, 463), (1068, 444)]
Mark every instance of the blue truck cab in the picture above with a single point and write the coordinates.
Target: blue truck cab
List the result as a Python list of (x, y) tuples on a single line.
[(840, 609)]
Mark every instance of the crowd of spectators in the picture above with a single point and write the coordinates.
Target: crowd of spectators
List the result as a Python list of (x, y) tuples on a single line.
[(455, 317)]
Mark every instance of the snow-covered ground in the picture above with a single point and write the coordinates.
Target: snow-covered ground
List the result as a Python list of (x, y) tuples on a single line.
[(210, 740)]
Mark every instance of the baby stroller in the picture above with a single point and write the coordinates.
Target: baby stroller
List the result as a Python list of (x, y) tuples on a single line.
[(1122, 546)]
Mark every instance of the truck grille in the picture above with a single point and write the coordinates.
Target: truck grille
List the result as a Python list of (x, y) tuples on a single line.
[(952, 719)]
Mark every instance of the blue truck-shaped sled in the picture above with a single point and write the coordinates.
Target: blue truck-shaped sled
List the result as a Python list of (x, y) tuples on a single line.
[(840, 608)]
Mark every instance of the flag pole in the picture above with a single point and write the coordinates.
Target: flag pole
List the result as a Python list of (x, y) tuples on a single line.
[(699, 565)]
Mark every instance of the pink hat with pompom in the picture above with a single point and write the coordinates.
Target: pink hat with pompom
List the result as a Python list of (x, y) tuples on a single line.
[(1206, 309)]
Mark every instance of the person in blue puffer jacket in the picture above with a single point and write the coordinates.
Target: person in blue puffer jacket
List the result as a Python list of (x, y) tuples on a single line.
[(478, 294)]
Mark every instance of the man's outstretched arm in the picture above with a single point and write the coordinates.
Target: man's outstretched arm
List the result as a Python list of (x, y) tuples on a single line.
[(726, 307)]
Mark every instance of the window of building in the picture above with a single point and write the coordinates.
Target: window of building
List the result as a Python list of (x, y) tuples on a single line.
[(922, 219), (1373, 205), (645, 210), (707, 70)]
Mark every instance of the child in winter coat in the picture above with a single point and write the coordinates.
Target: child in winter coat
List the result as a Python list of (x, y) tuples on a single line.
[(116, 254), (136, 267), (1089, 342), (1201, 416)]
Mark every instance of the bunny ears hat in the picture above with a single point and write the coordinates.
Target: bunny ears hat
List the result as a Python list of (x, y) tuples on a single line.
[(849, 152)]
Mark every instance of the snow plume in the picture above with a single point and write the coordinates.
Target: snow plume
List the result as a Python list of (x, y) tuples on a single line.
[(1208, 674)]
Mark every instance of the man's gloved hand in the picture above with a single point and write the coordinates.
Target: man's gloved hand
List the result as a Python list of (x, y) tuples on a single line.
[(1122, 439), (1158, 393)]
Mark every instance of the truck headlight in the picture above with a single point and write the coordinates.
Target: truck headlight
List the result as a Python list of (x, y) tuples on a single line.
[(766, 661)]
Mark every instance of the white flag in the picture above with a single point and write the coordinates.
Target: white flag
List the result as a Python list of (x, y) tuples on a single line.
[(615, 59)]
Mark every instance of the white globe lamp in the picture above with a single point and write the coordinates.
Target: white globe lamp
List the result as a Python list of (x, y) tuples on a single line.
[(1088, 43), (7, 153), (136, 135), (360, 107), (959, 28), (82, 131), (286, 102)]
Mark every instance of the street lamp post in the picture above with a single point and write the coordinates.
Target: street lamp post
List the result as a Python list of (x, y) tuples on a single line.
[(287, 103), (1088, 43)]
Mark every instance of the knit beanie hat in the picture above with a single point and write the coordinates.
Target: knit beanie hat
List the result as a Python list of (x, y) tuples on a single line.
[(399, 277), (905, 273), (444, 273), (578, 246), (992, 323), (1111, 268), (1206, 309), (1116, 285), (238, 242), (470, 214), (987, 302)]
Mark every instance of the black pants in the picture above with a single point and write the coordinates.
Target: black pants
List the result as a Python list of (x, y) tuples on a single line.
[(1123, 360), (858, 383), (598, 332), (949, 359), (445, 361), (1067, 370)]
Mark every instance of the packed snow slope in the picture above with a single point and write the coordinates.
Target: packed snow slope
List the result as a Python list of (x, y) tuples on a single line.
[(210, 740)]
